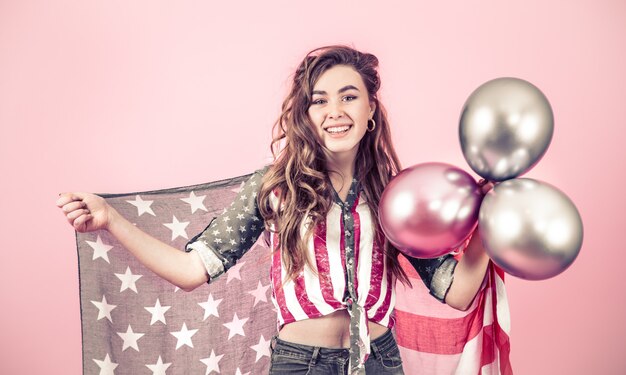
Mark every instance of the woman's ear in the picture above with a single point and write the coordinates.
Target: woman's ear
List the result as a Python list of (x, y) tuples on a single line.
[(373, 108)]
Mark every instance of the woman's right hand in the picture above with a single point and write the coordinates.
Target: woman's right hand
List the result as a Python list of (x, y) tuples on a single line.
[(85, 212)]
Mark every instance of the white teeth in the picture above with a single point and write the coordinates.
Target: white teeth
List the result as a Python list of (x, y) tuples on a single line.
[(338, 129)]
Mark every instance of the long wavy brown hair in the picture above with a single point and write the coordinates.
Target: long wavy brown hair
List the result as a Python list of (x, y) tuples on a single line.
[(299, 171)]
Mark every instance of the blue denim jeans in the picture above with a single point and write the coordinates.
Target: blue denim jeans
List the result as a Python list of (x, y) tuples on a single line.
[(294, 359)]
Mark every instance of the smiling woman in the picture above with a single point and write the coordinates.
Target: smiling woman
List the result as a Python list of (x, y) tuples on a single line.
[(333, 273), (340, 109)]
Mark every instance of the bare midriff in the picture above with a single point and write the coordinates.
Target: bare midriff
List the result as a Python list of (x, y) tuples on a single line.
[(329, 331)]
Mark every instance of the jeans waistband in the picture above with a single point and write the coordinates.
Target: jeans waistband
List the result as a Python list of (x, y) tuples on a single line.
[(381, 343)]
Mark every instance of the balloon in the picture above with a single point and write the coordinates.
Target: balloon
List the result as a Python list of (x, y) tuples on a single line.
[(530, 229), (429, 209), (505, 128)]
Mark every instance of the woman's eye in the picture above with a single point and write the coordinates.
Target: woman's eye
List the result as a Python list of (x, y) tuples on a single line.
[(318, 101), (349, 98)]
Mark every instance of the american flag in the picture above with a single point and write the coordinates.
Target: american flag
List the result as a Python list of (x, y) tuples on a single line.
[(134, 322), (436, 339)]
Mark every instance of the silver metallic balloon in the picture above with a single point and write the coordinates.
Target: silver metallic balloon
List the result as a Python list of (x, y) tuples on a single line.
[(530, 228), (505, 128), (429, 209)]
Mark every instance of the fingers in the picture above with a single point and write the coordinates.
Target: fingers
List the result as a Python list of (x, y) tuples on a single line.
[(77, 213), (66, 198), (81, 220), (72, 206), (487, 187)]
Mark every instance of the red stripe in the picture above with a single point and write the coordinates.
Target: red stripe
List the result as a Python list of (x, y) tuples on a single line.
[(376, 281), (384, 308), (279, 293), (303, 298), (323, 267), (437, 335), (449, 336), (493, 335)]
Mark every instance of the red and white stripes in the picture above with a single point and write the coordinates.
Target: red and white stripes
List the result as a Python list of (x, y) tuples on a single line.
[(437, 339), (313, 295)]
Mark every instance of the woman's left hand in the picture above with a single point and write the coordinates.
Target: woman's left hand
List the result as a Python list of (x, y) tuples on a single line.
[(485, 186)]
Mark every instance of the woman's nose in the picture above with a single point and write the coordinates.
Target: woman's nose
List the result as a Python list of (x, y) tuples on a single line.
[(335, 110)]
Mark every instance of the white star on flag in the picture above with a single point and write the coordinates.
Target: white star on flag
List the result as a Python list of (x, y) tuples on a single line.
[(195, 202), (156, 318), (210, 307), (130, 338), (159, 367), (260, 293), (158, 312), (262, 348), (183, 336), (233, 272), (100, 249), (128, 280), (142, 206), (236, 326), (177, 228), (104, 309), (212, 362), (106, 366)]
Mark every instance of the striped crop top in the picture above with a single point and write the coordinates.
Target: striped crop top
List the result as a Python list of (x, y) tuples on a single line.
[(350, 264)]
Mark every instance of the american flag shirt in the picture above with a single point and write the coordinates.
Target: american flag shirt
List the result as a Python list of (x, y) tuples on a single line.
[(350, 271)]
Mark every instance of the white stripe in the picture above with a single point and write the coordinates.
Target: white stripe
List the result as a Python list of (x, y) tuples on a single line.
[(311, 279), (488, 314), (392, 303), (366, 244), (469, 363), (333, 237), (291, 300), (290, 294), (502, 305), (281, 320)]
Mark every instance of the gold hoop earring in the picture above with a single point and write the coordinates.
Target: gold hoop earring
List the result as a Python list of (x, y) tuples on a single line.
[(373, 126)]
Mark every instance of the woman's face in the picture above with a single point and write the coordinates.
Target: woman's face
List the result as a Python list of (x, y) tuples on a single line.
[(340, 101)]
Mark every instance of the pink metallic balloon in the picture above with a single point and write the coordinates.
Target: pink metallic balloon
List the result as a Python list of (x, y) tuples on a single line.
[(429, 209)]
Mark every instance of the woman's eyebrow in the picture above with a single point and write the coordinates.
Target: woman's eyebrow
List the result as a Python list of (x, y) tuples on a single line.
[(343, 89)]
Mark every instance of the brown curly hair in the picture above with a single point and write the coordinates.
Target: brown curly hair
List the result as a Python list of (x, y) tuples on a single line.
[(299, 171)]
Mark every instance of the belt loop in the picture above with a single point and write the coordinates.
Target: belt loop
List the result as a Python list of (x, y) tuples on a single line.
[(375, 350), (316, 353), (273, 343)]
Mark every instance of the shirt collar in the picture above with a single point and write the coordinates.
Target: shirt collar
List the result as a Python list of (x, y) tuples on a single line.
[(353, 193)]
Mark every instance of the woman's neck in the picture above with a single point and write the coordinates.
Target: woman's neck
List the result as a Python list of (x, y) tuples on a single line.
[(345, 168)]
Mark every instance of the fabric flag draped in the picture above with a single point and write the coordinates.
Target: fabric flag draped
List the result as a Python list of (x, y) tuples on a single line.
[(434, 338), (134, 322)]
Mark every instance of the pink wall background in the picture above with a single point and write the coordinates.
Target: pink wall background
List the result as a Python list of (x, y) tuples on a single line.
[(118, 96)]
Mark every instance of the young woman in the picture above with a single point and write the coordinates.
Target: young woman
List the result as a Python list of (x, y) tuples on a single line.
[(333, 272)]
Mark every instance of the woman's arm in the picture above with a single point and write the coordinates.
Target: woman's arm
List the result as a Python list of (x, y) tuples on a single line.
[(185, 270), (468, 275), (471, 269), (87, 212)]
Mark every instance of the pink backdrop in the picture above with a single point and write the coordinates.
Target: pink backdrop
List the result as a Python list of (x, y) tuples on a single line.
[(116, 96)]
